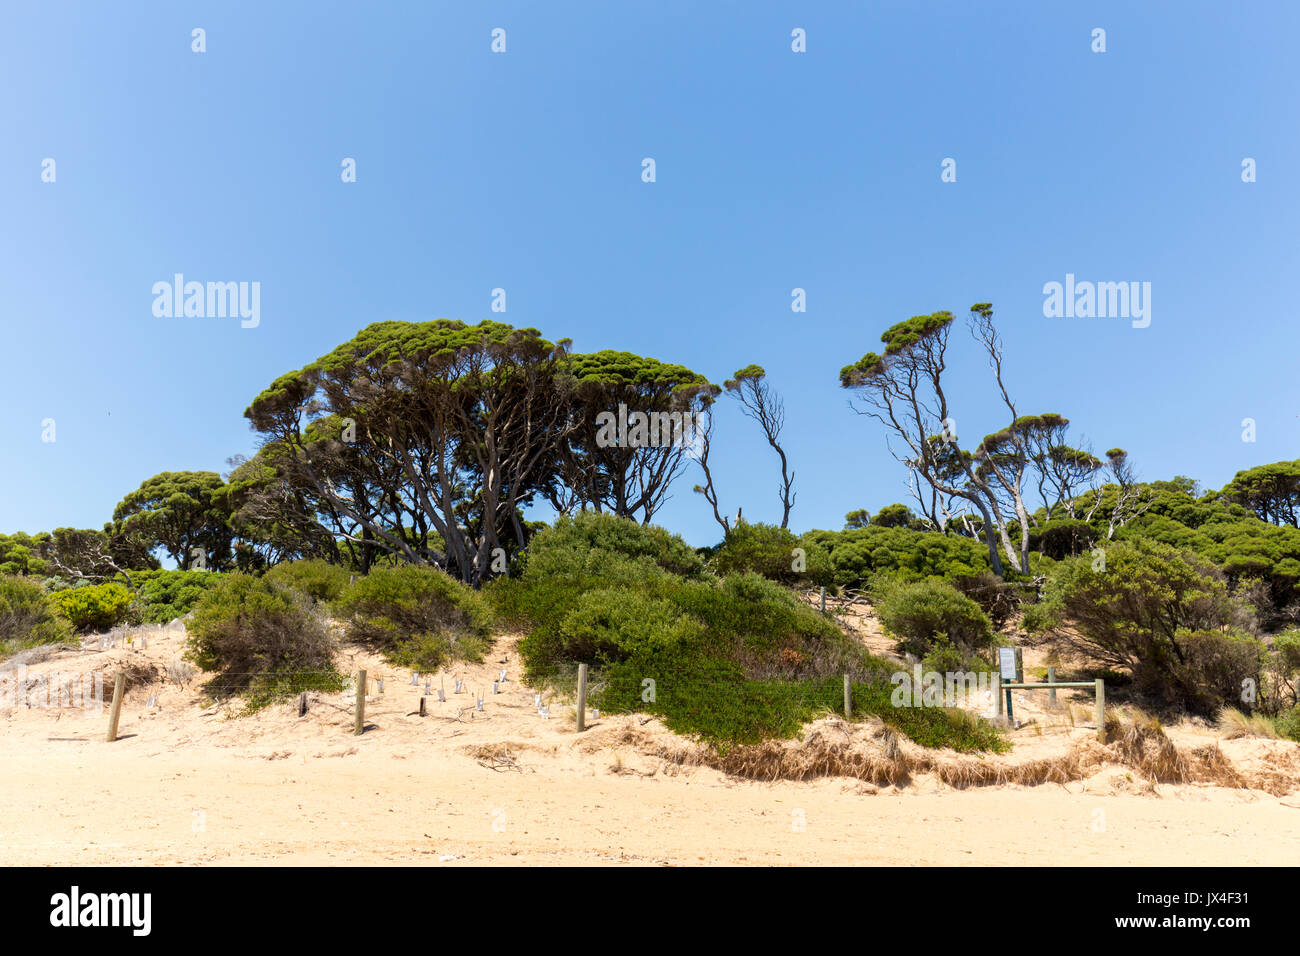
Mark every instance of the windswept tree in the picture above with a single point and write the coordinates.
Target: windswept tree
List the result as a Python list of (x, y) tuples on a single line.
[(628, 479), (184, 513), (904, 390), (750, 387), (709, 490), (1062, 472), (434, 436)]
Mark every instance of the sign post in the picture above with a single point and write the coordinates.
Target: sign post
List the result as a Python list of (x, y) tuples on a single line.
[(1007, 672)]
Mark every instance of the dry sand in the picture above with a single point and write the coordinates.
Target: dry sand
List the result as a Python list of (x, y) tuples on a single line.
[(187, 785)]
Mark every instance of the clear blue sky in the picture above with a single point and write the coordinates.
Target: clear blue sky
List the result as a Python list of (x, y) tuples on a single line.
[(522, 170)]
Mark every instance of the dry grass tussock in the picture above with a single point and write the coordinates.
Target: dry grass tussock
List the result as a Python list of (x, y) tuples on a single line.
[(878, 755), (1233, 725)]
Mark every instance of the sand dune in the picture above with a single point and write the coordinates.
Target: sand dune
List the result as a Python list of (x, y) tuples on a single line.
[(189, 784)]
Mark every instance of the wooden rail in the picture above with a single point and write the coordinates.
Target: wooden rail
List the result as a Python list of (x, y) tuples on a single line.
[(1098, 685)]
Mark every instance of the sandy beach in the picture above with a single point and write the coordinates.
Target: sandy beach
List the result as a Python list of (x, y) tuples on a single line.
[(188, 784)]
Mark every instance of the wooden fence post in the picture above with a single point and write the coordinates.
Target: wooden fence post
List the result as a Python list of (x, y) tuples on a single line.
[(360, 724), (823, 600), (582, 697), (997, 694), (302, 704), (422, 710), (848, 698), (1101, 711), (1051, 679), (119, 691)]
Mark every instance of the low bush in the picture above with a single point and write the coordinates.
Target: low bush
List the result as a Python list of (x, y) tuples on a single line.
[(723, 708), (418, 616), (260, 640), (999, 599), (1165, 615), (946, 658), (95, 607), (1287, 724), (731, 660), (1215, 669), (576, 539), (921, 613), (859, 554), (163, 596), (28, 616), (775, 553), (318, 579)]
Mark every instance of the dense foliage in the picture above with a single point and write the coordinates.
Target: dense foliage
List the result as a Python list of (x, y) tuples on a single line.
[(775, 553), (260, 640), (733, 659), (163, 596), (28, 615), (418, 616), (317, 579), (858, 554), (96, 607), (1166, 616), (922, 614)]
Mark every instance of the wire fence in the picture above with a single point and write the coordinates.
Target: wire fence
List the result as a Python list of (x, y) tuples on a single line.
[(725, 704)]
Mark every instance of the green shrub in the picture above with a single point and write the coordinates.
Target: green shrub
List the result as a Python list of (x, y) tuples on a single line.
[(560, 568), (163, 596), (721, 707), (318, 579), (260, 640), (946, 658), (95, 607), (957, 729), (575, 538), (418, 616), (732, 660), (997, 598), (859, 554), (20, 553), (28, 616), (612, 624), (1215, 669), (1288, 724), (920, 613), (775, 553), (1149, 608)]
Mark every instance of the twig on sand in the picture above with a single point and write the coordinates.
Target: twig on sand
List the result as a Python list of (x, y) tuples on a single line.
[(499, 761)]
